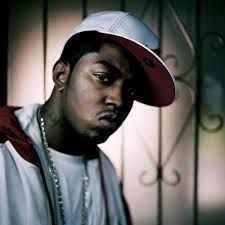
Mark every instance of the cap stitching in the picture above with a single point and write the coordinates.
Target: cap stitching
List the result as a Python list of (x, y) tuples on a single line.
[(118, 22)]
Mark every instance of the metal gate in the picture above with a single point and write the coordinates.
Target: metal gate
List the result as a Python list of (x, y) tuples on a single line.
[(171, 161)]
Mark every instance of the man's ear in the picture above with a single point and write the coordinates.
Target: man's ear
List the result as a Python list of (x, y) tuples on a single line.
[(61, 72)]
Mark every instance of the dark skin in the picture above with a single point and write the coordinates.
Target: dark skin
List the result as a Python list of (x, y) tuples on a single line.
[(90, 101)]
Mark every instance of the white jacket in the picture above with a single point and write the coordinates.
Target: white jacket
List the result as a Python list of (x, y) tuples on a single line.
[(24, 198)]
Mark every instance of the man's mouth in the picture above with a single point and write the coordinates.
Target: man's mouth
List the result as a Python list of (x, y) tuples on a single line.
[(109, 120)]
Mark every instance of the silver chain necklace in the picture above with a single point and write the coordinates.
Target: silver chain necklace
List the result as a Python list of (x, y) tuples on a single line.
[(54, 176)]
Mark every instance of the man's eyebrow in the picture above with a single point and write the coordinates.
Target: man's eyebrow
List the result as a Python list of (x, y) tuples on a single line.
[(114, 70), (109, 65)]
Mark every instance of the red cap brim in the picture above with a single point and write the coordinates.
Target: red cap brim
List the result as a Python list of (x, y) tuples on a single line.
[(156, 86)]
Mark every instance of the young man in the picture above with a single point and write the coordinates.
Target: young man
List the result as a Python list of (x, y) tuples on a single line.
[(52, 171)]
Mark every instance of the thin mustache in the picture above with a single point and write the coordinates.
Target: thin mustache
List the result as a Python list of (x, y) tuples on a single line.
[(109, 111), (113, 113)]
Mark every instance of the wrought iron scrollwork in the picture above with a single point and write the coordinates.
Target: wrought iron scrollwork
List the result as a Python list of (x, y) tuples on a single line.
[(172, 57), (213, 123), (145, 178), (175, 181), (215, 40), (160, 167), (217, 125), (159, 176)]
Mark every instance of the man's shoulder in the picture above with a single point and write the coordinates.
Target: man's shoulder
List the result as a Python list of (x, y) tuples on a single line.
[(107, 163), (11, 131), (8, 122), (7, 112), (105, 157)]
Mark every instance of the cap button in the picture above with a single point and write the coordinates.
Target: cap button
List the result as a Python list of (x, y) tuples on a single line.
[(149, 62)]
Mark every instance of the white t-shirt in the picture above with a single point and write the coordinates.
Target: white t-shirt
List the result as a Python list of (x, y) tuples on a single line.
[(71, 171)]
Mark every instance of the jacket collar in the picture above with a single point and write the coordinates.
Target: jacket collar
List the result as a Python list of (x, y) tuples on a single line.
[(10, 130)]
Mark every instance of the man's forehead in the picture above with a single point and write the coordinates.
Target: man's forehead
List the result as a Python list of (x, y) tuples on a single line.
[(114, 55)]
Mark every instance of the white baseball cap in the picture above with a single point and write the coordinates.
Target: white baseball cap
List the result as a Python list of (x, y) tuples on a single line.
[(157, 85)]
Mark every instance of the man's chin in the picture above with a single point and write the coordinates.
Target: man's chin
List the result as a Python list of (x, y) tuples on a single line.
[(102, 136), (99, 135), (101, 139)]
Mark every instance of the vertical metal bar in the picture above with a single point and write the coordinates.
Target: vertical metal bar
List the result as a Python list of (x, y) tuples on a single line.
[(84, 8), (160, 192), (197, 114), (45, 33), (122, 5), (122, 156), (159, 170), (122, 8), (4, 54)]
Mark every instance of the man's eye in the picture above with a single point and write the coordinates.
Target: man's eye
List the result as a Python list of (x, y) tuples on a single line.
[(104, 78)]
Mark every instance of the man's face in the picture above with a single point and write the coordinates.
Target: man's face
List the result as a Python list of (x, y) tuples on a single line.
[(99, 93)]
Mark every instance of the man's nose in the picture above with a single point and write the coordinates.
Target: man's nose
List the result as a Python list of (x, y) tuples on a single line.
[(115, 95)]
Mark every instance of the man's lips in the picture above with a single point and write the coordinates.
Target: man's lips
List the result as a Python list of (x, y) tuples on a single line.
[(109, 115), (109, 119)]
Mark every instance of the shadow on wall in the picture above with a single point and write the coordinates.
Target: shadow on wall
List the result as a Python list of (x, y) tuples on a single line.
[(213, 216)]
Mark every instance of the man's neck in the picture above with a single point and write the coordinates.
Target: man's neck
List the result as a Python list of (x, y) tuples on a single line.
[(61, 137)]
